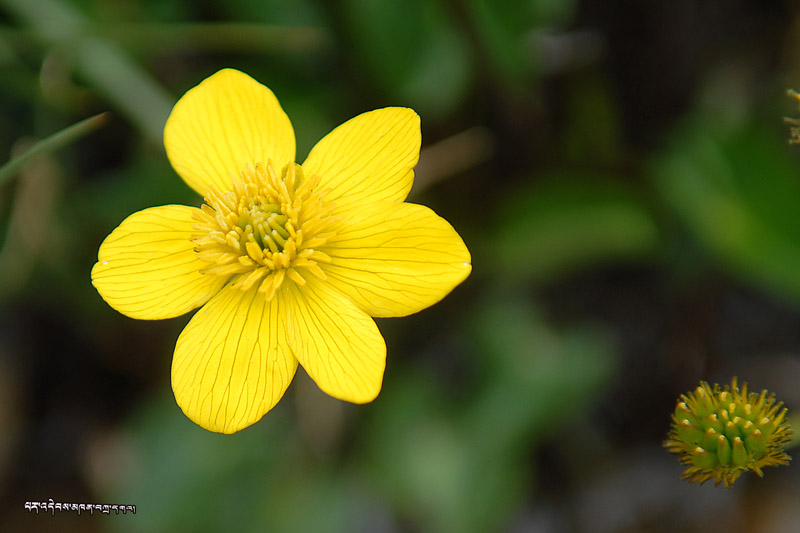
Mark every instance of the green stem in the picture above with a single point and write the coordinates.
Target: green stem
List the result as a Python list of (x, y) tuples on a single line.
[(51, 144)]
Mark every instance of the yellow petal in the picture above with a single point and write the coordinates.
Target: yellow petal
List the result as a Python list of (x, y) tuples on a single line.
[(337, 343), (227, 122), (396, 259), (231, 362), (147, 267), (368, 158)]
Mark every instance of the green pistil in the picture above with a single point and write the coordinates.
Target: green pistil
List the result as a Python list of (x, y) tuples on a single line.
[(265, 228)]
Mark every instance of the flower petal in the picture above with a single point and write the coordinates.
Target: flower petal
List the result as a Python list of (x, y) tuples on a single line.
[(336, 342), (368, 158), (396, 259), (147, 268), (219, 127), (231, 362)]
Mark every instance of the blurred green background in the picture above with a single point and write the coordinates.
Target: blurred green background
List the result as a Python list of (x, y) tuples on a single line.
[(619, 170)]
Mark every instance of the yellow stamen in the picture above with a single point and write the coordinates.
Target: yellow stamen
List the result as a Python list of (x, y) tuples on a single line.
[(265, 228)]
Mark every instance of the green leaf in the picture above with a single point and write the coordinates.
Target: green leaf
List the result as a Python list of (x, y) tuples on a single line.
[(463, 465), (568, 222), (184, 478), (539, 380), (505, 29), (736, 190), (413, 49)]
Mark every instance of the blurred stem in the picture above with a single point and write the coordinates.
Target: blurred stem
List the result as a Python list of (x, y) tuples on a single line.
[(101, 63), (452, 156), (218, 36), (29, 226), (51, 144)]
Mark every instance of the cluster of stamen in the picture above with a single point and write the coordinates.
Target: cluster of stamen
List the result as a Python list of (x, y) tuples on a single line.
[(265, 229)]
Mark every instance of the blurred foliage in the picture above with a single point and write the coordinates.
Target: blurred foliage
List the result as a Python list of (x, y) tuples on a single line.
[(563, 222), (736, 190), (410, 47), (631, 208)]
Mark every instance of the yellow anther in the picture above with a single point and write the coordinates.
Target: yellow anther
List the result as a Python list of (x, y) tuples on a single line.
[(264, 228)]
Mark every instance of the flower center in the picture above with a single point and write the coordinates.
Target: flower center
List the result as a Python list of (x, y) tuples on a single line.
[(266, 228)]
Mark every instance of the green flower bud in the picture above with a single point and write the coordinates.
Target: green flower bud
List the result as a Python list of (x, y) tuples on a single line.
[(721, 433)]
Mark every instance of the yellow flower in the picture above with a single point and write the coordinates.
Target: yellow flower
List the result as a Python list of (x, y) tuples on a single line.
[(287, 262)]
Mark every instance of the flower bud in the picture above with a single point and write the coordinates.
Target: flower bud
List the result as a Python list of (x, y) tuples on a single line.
[(721, 433)]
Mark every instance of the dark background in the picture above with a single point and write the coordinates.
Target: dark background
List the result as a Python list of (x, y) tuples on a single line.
[(619, 170)]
